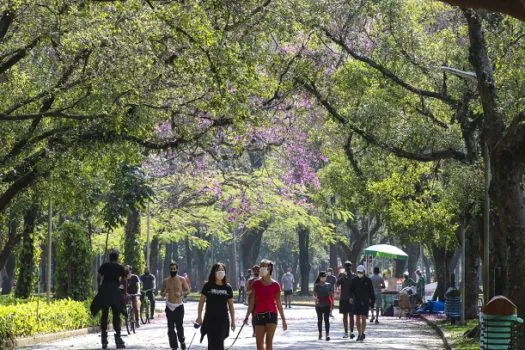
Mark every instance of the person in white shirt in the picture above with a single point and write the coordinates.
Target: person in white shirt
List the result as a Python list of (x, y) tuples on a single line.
[(287, 282)]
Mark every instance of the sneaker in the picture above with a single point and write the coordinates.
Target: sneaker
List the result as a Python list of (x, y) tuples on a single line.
[(253, 335), (362, 336), (352, 336), (183, 346), (137, 324), (372, 319), (320, 336), (377, 321), (346, 335), (358, 338), (327, 338)]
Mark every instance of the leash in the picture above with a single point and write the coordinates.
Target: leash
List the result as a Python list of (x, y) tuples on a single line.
[(237, 337), (196, 326)]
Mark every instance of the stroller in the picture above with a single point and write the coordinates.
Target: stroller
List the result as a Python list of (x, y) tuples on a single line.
[(408, 302)]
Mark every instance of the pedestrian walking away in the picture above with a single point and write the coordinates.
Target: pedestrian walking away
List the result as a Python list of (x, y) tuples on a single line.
[(249, 284), (287, 282), (345, 307), (362, 296), (148, 285), (323, 294), (242, 290), (110, 276), (217, 294), (330, 278), (378, 283), (266, 301), (173, 289)]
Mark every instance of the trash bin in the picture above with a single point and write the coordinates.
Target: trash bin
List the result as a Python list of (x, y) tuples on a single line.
[(499, 321), (453, 304)]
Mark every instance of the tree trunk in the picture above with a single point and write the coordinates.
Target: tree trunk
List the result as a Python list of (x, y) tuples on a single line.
[(250, 244), (26, 274), (304, 259), (191, 271), (427, 263), (472, 263), (133, 254), (333, 258), (413, 251), (442, 257), (10, 262), (168, 258), (154, 256)]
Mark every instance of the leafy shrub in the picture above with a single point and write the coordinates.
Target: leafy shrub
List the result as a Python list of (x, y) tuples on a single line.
[(73, 271), (35, 316)]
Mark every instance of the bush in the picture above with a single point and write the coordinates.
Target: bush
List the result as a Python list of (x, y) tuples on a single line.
[(35, 316), (73, 271)]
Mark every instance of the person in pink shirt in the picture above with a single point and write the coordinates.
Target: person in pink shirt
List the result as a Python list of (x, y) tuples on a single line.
[(266, 301)]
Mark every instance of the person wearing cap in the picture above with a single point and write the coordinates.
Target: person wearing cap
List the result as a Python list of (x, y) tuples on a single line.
[(345, 307), (361, 296)]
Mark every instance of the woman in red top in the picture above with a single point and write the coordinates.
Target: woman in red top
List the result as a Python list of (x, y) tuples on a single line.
[(267, 301)]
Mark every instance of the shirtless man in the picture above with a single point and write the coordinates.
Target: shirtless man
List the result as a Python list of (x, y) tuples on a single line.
[(173, 289)]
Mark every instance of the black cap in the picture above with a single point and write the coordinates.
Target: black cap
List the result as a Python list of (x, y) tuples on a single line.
[(347, 263)]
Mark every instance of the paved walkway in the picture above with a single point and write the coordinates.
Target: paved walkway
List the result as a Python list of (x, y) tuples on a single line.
[(391, 333)]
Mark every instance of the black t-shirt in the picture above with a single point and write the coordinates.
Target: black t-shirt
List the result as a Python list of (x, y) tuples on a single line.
[(148, 281), (345, 282), (217, 299), (133, 284), (112, 272)]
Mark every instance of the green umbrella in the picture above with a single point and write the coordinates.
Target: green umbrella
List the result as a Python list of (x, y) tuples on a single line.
[(386, 251)]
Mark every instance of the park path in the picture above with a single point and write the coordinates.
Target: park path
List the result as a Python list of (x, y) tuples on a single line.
[(391, 333)]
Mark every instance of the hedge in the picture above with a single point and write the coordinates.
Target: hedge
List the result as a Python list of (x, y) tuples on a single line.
[(34, 316)]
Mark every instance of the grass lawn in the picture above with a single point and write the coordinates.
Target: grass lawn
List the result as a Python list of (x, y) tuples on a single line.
[(454, 334)]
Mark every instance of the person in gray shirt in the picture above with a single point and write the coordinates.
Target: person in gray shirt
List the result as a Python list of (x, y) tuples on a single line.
[(287, 282), (324, 299), (378, 283)]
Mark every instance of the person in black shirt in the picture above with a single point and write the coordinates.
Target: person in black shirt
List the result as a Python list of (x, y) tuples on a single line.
[(148, 286), (133, 282), (110, 275), (344, 281), (218, 296), (362, 296)]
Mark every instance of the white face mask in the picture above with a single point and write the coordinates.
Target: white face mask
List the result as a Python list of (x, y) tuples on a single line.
[(220, 275), (263, 271), (323, 279), (329, 274), (361, 274)]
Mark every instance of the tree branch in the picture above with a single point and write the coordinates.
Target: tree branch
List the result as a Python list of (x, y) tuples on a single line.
[(17, 56), (387, 73), (371, 139)]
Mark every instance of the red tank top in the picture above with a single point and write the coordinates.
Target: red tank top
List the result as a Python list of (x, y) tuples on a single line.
[(265, 296)]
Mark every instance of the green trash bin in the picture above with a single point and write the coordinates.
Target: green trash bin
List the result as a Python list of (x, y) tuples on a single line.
[(498, 325)]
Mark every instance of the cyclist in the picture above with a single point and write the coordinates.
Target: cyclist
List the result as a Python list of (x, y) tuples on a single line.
[(173, 289), (133, 282), (109, 296), (148, 286)]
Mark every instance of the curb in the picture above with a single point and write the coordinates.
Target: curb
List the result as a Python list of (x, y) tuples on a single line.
[(52, 337), (438, 330)]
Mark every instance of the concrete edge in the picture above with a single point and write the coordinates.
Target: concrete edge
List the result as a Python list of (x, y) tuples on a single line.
[(438, 330), (52, 337)]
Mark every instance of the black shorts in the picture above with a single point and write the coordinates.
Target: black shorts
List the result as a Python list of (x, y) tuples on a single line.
[(262, 319), (345, 307), (361, 308), (288, 292)]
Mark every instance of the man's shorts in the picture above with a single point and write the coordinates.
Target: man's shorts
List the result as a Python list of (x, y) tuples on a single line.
[(264, 318), (379, 300), (288, 292), (361, 309), (345, 307)]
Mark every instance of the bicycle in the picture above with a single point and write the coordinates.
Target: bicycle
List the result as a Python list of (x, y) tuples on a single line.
[(130, 314), (145, 307)]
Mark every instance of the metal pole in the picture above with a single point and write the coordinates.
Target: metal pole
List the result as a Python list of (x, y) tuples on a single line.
[(486, 227), (148, 243), (463, 272), (49, 250), (235, 271)]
